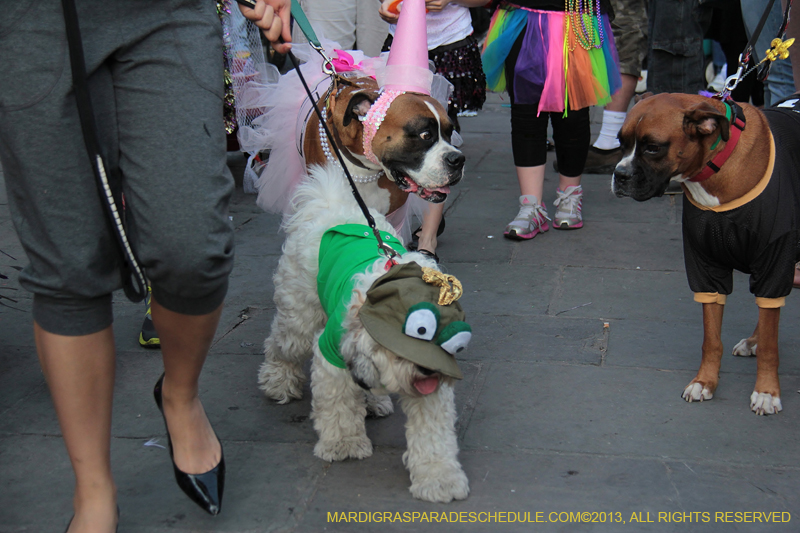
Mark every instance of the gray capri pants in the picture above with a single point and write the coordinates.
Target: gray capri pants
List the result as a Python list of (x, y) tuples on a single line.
[(156, 78)]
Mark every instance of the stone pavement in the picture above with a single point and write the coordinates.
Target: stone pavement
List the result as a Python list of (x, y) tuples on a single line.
[(583, 342)]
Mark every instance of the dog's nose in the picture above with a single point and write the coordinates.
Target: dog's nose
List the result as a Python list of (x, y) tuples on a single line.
[(621, 174), (455, 160)]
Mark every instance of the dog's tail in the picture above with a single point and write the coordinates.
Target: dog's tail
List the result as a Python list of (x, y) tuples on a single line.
[(325, 196)]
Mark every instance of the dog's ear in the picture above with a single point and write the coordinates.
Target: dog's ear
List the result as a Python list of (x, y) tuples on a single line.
[(356, 345), (364, 372), (358, 106), (639, 97), (704, 119)]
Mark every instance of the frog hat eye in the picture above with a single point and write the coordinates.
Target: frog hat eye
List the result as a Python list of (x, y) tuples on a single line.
[(455, 337), (422, 321), (409, 315)]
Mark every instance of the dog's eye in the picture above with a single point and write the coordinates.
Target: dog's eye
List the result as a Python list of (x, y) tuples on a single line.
[(652, 149), (426, 135), (455, 337), (422, 321)]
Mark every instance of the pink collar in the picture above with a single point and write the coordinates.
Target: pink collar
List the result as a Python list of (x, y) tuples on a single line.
[(374, 119)]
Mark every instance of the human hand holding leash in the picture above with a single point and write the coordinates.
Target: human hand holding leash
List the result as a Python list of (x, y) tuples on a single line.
[(273, 17)]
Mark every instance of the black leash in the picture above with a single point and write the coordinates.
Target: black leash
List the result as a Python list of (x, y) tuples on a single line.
[(385, 248), (764, 65), (134, 281), (763, 70), (299, 15)]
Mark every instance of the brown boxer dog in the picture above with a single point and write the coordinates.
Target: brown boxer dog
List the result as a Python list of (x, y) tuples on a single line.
[(412, 145), (739, 212)]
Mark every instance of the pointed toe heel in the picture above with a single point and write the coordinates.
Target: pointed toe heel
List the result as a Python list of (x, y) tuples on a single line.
[(203, 489)]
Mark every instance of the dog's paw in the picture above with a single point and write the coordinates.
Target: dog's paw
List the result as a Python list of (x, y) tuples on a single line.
[(763, 403), (441, 485), (744, 348), (379, 406), (696, 392), (358, 447), (281, 382)]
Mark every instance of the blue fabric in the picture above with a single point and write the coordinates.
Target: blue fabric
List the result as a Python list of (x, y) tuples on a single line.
[(494, 56), (780, 83)]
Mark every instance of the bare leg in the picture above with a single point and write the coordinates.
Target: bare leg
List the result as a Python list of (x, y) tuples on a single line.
[(185, 341), (621, 99), (80, 374), (430, 227), (613, 116), (564, 182), (531, 181), (702, 387)]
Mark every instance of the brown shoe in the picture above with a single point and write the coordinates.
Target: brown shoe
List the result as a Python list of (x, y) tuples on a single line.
[(602, 161)]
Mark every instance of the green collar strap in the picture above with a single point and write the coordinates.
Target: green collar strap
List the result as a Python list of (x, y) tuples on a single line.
[(728, 115)]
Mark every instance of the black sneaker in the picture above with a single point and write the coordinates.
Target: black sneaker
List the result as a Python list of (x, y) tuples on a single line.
[(148, 337)]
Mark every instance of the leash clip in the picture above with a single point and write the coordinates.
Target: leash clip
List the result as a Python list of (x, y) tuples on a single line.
[(387, 250), (732, 81), (327, 62), (384, 248)]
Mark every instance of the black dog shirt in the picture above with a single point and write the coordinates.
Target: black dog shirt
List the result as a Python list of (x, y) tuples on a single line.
[(756, 234)]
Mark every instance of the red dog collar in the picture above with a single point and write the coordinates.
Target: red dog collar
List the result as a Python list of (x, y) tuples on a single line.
[(738, 124)]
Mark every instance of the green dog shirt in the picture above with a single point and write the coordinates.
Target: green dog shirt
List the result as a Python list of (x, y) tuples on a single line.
[(344, 251)]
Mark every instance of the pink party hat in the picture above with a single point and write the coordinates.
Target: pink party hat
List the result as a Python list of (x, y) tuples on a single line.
[(407, 66)]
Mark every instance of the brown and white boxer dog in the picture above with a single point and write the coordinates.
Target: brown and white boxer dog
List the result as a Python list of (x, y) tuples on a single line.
[(412, 145), (740, 172)]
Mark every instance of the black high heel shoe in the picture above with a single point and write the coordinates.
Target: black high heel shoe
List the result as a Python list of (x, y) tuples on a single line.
[(204, 489)]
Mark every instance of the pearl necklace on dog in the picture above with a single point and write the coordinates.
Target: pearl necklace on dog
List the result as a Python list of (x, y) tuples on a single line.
[(326, 149)]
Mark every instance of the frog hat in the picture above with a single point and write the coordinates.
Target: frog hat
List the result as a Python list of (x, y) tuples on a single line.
[(412, 311)]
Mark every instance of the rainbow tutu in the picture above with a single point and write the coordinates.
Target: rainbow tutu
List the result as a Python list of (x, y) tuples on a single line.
[(553, 70)]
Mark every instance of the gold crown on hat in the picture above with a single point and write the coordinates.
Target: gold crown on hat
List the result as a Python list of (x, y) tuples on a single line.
[(450, 288)]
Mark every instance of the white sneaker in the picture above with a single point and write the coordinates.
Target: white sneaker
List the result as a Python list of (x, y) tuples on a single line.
[(568, 208), (530, 221)]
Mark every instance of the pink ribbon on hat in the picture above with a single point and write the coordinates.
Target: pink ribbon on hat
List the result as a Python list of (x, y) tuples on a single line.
[(374, 119)]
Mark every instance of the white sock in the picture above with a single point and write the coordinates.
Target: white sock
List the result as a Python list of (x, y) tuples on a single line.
[(612, 123)]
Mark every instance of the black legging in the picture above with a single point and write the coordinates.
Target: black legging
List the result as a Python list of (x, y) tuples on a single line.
[(529, 131)]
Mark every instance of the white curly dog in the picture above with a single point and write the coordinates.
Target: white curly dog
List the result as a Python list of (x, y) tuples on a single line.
[(341, 397)]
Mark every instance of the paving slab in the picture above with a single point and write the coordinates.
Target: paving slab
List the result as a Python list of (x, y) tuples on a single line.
[(638, 412), (548, 491)]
